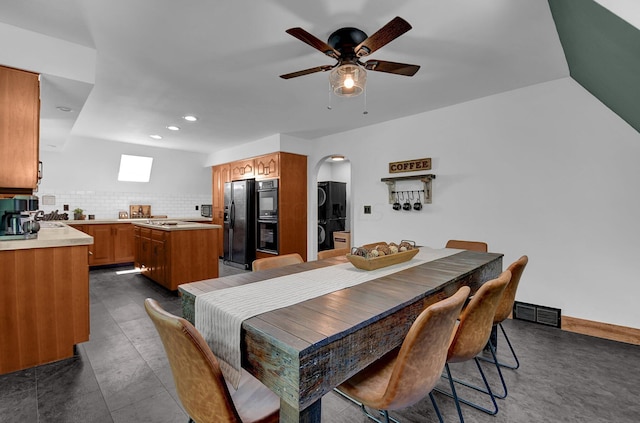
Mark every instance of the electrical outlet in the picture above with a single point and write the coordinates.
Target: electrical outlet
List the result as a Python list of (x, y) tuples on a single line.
[(65, 207), (367, 209), (197, 207)]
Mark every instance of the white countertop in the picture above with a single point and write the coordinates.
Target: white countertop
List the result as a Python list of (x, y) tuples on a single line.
[(174, 225), (137, 220), (51, 234)]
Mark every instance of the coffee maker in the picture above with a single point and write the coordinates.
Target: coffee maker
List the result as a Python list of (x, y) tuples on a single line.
[(14, 215)]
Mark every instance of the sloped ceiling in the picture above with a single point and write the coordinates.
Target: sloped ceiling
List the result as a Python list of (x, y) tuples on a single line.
[(160, 59), (603, 54)]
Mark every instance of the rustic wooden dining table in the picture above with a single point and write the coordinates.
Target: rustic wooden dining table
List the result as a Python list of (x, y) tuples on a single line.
[(301, 352)]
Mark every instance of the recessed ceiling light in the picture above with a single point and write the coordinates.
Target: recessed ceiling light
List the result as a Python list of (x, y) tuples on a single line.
[(64, 109), (155, 137), (337, 158), (173, 128), (190, 118)]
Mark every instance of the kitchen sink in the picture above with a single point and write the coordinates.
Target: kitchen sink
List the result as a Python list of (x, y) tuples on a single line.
[(51, 225)]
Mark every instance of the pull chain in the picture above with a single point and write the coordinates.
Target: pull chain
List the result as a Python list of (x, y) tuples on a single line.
[(365, 112)]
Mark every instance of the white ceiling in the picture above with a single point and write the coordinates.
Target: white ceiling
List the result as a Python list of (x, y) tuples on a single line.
[(158, 60)]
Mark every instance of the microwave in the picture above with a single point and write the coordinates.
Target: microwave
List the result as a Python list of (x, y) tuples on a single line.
[(206, 211)]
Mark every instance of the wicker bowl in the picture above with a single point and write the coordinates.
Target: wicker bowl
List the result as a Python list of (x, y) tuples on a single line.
[(374, 263)]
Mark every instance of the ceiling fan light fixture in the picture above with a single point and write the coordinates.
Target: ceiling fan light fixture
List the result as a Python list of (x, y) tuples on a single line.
[(348, 80)]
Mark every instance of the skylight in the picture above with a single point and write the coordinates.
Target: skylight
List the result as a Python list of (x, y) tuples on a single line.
[(135, 168)]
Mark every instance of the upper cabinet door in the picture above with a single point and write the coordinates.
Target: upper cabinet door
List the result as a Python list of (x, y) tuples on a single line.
[(19, 128), (242, 169), (268, 166)]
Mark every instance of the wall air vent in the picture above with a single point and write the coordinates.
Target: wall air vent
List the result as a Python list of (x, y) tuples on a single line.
[(536, 313)]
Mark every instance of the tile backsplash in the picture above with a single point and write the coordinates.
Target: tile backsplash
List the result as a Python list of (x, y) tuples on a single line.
[(106, 205)]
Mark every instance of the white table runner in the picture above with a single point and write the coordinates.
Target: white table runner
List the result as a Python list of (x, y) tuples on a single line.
[(219, 314)]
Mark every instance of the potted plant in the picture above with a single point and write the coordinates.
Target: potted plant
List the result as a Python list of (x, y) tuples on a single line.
[(77, 214)]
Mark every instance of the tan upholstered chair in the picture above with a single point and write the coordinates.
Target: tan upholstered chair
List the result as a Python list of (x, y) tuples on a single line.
[(199, 383), (333, 253), (276, 261), (467, 245), (506, 305), (472, 334), (407, 374)]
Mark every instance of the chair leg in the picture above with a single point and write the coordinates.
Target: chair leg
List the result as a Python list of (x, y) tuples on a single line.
[(435, 407), (513, 353), (504, 393), (453, 394)]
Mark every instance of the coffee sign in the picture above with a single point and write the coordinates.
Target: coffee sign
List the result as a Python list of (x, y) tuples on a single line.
[(410, 165)]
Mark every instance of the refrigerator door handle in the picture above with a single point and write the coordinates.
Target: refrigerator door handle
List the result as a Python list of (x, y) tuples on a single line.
[(232, 215)]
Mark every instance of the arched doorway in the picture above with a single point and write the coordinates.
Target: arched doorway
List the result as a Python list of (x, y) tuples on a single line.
[(334, 205)]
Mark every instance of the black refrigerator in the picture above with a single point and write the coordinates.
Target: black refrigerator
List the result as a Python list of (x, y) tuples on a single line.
[(239, 223)]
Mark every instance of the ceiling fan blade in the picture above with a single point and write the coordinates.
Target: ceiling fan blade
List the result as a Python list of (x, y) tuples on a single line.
[(322, 68), (391, 67), (313, 41), (392, 30)]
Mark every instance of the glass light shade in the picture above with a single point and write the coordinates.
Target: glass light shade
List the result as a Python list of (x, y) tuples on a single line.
[(348, 80)]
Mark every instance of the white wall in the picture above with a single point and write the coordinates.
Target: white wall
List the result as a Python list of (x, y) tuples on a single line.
[(85, 175), (546, 171)]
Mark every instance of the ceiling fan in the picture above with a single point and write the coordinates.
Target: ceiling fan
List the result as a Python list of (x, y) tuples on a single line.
[(347, 45)]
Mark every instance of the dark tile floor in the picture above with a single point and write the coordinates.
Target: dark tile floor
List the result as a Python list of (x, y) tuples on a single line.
[(122, 375)]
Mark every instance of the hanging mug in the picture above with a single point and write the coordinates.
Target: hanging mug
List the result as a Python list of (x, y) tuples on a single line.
[(418, 204), (407, 204), (396, 205)]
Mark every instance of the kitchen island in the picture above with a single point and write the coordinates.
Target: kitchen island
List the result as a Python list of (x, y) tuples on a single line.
[(113, 239), (172, 252), (44, 296)]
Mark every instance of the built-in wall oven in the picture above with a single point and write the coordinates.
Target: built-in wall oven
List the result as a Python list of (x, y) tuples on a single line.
[(268, 236), (267, 225)]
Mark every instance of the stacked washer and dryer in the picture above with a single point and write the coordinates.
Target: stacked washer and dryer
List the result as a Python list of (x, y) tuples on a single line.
[(332, 210)]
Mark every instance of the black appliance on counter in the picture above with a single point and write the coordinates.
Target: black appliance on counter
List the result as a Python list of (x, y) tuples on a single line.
[(206, 210), (239, 223), (267, 226), (332, 205), (16, 218)]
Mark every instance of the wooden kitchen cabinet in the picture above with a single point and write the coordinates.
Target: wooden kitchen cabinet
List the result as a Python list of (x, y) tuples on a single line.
[(19, 130), (268, 166), (159, 262), (171, 257), (113, 243), (221, 174), (45, 305), (242, 169), (123, 248), (291, 171)]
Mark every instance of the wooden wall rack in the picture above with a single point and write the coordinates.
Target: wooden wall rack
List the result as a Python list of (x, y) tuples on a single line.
[(426, 180)]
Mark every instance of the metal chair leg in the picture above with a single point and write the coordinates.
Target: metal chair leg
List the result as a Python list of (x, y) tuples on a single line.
[(385, 413), (513, 353), (504, 393), (453, 394), (435, 407)]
